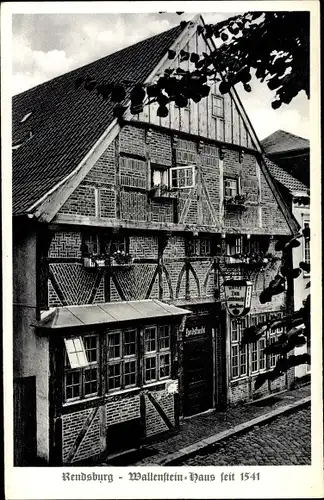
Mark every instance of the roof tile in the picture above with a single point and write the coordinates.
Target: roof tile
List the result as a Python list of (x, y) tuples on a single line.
[(66, 122)]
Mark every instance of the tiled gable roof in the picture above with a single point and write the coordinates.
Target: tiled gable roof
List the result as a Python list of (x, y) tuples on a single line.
[(285, 179), (66, 122), (281, 141)]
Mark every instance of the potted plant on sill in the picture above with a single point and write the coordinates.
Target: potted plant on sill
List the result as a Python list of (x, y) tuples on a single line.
[(236, 201), (121, 259)]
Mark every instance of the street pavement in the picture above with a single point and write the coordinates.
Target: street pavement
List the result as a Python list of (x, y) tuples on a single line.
[(285, 440)]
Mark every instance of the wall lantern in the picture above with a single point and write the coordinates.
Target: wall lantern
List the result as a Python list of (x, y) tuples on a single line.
[(238, 295)]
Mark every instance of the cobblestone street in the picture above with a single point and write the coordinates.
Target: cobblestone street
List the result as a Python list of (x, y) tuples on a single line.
[(283, 441)]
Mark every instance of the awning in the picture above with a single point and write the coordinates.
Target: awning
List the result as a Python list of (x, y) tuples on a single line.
[(109, 312)]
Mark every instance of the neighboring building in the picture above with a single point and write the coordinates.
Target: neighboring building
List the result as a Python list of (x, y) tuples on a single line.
[(123, 233), (290, 152), (297, 195)]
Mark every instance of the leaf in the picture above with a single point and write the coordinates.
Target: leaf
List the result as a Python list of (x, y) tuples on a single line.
[(184, 55), (183, 24), (137, 95), (162, 111), (308, 285), (276, 104), (118, 93), (265, 296), (305, 266), (119, 110), (171, 54), (181, 101), (306, 232), (247, 87), (194, 57), (224, 36), (224, 87)]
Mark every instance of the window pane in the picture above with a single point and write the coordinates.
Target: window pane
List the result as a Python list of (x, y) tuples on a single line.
[(90, 381), (90, 344), (72, 385), (114, 376), (130, 343), (164, 337), (164, 365), (130, 373), (205, 246), (234, 328), (150, 339), (114, 347), (235, 367), (262, 360), (150, 369), (254, 355), (243, 359)]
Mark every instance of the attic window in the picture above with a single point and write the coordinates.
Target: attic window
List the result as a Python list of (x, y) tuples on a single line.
[(25, 118)]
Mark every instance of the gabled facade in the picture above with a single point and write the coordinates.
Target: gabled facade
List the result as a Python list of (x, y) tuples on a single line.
[(297, 195), (290, 152), (120, 253)]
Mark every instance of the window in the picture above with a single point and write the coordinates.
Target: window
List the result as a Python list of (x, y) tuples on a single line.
[(251, 359), (197, 246), (238, 355), (91, 244), (119, 244), (234, 245), (231, 187), (157, 358), (122, 359), (217, 106), (160, 177), (81, 367), (306, 245), (205, 247), (182, 177)]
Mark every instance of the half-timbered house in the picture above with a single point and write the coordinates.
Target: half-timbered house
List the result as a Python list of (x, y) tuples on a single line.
[(123, 233)]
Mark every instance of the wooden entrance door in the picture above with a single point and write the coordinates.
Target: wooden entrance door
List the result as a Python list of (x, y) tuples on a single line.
[(24, 421), (198, 373)]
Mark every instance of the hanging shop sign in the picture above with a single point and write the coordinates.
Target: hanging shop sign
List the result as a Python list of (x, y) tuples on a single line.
[(238, 295)]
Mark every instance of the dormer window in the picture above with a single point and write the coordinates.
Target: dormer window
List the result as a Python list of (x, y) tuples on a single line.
[(25, 118)]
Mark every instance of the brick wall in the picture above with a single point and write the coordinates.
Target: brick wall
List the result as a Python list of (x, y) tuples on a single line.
[(65, 244), (103, 172), (117, 409), (107, 203), (133, 206), (143, 247), (160, 148), (81, 201), (132, 140)]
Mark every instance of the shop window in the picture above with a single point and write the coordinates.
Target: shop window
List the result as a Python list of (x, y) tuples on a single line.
[(81, 367), (217, 106), (183, 177), (157, 361), (231, 187)]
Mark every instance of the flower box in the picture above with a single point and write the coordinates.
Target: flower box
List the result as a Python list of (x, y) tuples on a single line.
[(238, 201), (162, 191)]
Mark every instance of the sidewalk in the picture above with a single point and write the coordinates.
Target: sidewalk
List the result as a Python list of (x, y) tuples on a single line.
[(205, 429)]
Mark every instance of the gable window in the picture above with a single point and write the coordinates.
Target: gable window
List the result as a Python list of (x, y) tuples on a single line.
[(217, 106), (183, 177), (231, 187), (160, 177)]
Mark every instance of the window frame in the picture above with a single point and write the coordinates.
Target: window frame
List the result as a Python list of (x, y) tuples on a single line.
[(81, 370), (215, 108), (306, 247), (235, 180), (121, 360), (178, 169), (157, 353)]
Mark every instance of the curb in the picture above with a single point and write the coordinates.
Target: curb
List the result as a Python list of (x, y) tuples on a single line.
[(178, 456)]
